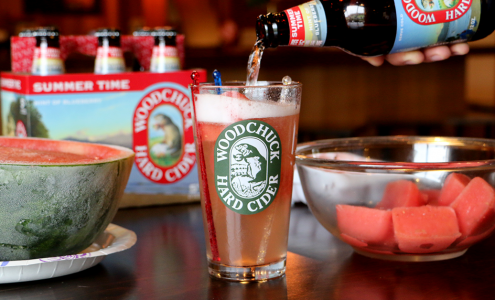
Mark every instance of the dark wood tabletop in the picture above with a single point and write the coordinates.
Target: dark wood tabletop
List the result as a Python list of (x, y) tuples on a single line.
[(169, 262)]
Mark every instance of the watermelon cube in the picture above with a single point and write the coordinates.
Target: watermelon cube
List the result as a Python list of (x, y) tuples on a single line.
[(432, 196), (470, 240), (425, 229), (452, 187), (401, 193), (352, 241), (475, 207), (235, 94), (368, 225)]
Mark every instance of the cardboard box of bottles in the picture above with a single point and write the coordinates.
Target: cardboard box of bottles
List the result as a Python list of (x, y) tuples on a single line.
[(133, 110)]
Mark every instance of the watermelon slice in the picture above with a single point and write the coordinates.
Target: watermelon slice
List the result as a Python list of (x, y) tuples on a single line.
[(475, 207), (57, 196), (235, 94), (375, 251), (425, 229), (452, 187), (367, 225), (401, 193)]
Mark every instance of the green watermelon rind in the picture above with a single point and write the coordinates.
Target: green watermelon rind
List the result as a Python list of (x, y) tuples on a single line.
[(54, 210)]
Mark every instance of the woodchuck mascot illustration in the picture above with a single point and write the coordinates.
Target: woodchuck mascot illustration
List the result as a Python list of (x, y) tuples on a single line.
[(256, 163), (428, 4), (171, 144)]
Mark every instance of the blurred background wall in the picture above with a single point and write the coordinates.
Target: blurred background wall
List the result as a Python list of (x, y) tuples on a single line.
[(342, 95)]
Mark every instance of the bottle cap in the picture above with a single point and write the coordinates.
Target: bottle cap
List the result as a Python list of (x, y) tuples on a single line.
[(145, 31), (164, 31), (45, 32), (107, 32), (26, 33)]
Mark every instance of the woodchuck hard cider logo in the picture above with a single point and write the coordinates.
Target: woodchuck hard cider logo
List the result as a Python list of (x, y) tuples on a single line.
[(247, 166), (163, 136), (427, 12)]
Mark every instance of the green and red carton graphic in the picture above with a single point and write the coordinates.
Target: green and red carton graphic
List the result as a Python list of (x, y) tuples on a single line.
[(150, 113)]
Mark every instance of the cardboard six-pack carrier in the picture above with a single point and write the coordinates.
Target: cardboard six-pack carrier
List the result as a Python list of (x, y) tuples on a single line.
[(138, 110)]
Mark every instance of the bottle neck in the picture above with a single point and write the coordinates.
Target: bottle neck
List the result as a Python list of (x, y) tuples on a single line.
[(43, 41), (108, 42), (273, 29), (165, 41)]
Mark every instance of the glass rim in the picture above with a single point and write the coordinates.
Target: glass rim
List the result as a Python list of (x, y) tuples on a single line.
[(239, 84), (304, 150)]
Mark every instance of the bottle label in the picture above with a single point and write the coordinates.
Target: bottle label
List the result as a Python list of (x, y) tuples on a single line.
[(423, 23), (308, 24), (247, 166), (109, 60), (164, 59), (47, 61)]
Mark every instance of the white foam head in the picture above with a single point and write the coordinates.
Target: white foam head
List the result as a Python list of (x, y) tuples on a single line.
[(225, 110)]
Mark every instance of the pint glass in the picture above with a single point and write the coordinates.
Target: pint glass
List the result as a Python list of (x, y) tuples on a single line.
[(245, 141)]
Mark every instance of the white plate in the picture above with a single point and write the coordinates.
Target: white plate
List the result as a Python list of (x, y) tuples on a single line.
[(114, 239)]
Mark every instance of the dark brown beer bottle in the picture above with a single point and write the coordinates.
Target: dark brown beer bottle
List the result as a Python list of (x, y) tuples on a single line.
[(165, 56), (109, 56), (46, 60), (376, 27), (144, 31)]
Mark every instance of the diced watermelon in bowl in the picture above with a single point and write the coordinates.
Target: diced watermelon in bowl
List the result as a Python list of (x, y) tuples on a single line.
[(402, 198)]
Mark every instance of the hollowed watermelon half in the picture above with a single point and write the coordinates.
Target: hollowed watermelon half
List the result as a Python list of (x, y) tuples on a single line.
[(57, 196)]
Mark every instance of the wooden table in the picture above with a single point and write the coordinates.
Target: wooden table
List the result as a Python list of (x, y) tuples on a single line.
[(168, 262)]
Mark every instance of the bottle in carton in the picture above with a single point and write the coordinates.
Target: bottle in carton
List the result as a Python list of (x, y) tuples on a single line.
[(109, 56), (165, 56), (46, 60)]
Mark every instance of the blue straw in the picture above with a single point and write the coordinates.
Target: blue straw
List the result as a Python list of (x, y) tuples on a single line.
[(217, 77)]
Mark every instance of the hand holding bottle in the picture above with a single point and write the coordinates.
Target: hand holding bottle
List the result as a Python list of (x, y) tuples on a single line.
[(381, 27), (419, 56)]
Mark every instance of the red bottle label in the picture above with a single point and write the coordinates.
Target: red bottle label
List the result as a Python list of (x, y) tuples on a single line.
[(109, 52), (165, 59), (109, 60), (47, 61), (308, 25), (48, 52)]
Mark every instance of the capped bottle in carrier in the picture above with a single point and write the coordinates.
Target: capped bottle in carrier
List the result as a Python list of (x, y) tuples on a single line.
[(109, 56), (376, 27), (46, 60), (165, 56), (143, 31), (26, 33)]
